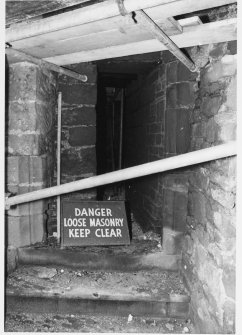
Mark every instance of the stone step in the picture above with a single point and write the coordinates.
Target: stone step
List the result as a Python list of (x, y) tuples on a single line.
[(140, 255), (60, 290)]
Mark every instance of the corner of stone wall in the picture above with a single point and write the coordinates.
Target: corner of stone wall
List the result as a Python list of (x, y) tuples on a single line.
[(208, 249), (31, 105)]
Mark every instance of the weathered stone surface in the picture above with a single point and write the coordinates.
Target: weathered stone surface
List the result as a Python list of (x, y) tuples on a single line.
[(12, 259), (73, 116), (229, 317), (24, 144), (229, 281), (210, 105), (77, 163), (224, 68), (80, 136), (22, 116), (31, 111), (22, 81), (231, 101), (19, 232), (78, 94)]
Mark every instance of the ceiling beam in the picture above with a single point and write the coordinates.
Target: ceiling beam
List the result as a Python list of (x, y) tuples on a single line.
[(214, 32), (102, 11), (14, 56)]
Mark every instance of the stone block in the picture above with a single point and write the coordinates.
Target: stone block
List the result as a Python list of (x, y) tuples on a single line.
[(199, 178), (171, 96), (18, 231), (25, 230), (80, 136), (26, 169), (227, 126), (218, 50), (229, 281), (78, 94), (183, 131), (171, 241), (170, 134), (44, 115), (171, 72), (210, 105), (22, 81), (12, 259), (229, 317), (231, 95), (185, 95), (24, 144), (22, 116), (197, 206), (12, 170), (232, 47), (211, 130), (77, 163), (46, 86), (180, 211), (226, 199), (73, 116), (226, 67)]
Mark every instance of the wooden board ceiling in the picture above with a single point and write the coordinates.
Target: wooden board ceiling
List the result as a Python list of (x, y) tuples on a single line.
[(18, 11), (121, 36)]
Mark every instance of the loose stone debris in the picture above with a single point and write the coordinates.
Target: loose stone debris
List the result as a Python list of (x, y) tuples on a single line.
[(62, 279), (30, 322)]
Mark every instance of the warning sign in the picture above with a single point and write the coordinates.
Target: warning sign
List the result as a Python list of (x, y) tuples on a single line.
[(94, 223)]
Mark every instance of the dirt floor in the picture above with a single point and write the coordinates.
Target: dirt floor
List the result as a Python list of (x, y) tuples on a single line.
[(94, 324)]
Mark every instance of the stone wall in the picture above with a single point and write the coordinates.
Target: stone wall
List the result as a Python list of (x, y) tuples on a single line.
[(78, 138), (194, 207), (208, 249), (157, 125), (31, 99)]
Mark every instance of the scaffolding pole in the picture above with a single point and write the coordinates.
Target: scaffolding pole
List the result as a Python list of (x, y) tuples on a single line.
[(59, 165), (162, 165)]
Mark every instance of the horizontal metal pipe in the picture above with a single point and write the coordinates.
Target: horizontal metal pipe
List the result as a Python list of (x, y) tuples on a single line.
[(143, 19), (22, 56), (167, 164)]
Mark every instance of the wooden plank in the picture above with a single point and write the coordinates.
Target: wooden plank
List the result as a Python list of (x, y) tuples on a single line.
[(214, 32), (104, 10), (93, 31)]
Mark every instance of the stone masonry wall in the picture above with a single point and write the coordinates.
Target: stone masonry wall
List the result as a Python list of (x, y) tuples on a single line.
[(144, 122), (78, 141), (31, 108), (195, 206), (208, 249), (157, 125)]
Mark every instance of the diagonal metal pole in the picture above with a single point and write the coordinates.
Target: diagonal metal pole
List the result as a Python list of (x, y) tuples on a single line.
[(167, 164), (22, 56), (142, 18)]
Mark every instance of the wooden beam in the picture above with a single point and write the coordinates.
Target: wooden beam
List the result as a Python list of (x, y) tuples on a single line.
[(18, 56), (142, 18), (102, 11), (215, 32)]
